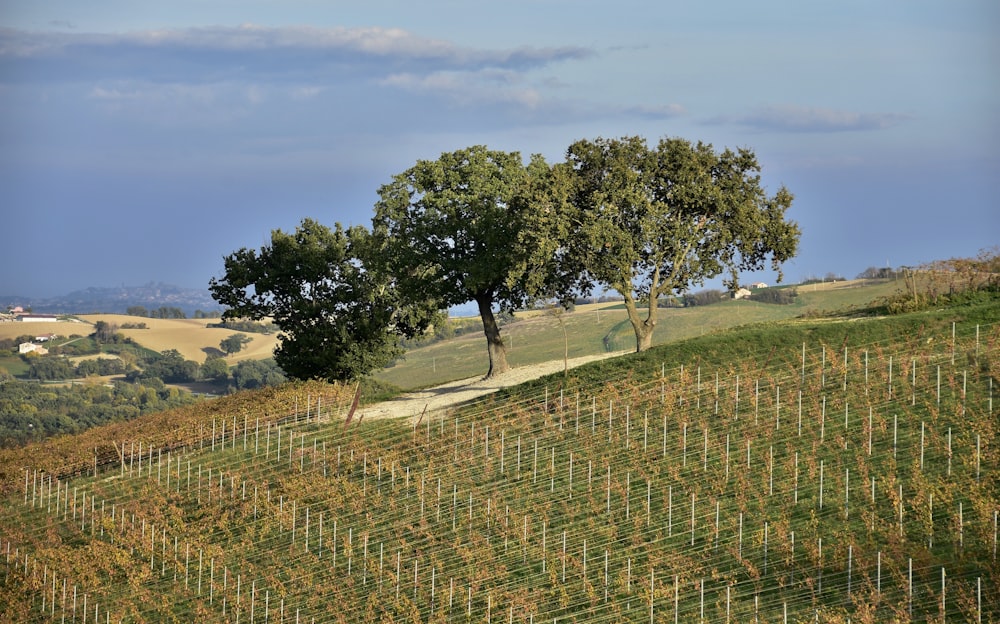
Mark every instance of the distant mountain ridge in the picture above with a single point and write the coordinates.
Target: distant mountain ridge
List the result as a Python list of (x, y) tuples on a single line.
[(116, 300)]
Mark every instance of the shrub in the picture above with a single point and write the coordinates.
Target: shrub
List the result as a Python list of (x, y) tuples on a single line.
[(704, 297), (780, 296)]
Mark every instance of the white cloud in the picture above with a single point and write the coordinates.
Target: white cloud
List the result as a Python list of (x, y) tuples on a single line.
[(251, 48), (791, 118)]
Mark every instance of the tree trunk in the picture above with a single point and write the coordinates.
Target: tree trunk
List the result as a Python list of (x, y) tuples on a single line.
[(643, 327), (494, 343)]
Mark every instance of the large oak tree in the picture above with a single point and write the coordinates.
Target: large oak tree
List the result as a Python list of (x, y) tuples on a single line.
[(654, 221), (473, 225), (339, 320)]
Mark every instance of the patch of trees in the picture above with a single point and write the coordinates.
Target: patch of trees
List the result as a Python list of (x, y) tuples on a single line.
[(779, 296), (234, 343), (646, 222), (252, 374), (704, 297), (829, 277), (878, 273), (11, 344), (31, 412), (169, 367), (163, 312), (105, 332), (248, 326)]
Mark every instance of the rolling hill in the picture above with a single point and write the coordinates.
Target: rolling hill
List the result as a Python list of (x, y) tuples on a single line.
[(828, 469)]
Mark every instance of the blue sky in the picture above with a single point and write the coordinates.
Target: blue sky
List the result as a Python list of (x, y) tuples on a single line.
[(144, 141)]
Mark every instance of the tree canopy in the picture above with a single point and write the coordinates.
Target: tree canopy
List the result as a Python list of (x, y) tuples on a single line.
[(338, 319), (653, 221), (484, 226), (234, 343), (473, 225)]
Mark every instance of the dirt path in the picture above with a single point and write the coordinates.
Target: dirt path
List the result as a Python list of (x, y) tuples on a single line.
[(413, 404)]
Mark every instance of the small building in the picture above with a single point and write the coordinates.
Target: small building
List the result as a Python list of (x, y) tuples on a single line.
[(30, 347), (758, 285), (46, 337), (742, 293), (38, 318)]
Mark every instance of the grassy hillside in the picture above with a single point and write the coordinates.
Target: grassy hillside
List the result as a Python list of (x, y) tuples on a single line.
[(598, 328), (831, 469)]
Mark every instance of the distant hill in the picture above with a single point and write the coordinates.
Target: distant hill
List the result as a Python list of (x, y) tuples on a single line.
[(117, 300)]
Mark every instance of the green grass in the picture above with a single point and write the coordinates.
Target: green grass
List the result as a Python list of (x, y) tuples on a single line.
[(540, 338), (14, 365)]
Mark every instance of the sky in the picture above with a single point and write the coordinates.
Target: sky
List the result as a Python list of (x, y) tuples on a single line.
[(144, 141)]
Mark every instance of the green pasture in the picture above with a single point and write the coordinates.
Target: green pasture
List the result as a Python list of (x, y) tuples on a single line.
[(602, 329)]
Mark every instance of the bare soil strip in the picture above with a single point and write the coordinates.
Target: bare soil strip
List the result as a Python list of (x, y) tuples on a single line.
[(431, 400)]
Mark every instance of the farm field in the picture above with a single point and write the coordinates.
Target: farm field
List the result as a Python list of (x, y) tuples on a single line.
[(193, 338), (808, 471)]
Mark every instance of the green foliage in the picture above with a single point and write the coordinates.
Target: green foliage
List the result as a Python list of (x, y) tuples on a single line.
[(170, 366), (167, 312), (105, 332), (74, 346), (474, 225), (780, 296), (651, 222), (234, 343), (50, 368), (215, 369), (31, 412), (339, 319), (704, 297), (101, 366), (253, 374), (244, 325)]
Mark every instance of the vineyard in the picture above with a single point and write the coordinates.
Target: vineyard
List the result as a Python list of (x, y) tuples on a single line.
[(832, 472)]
